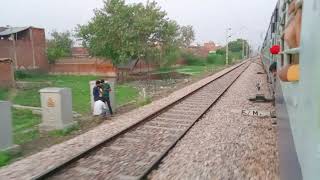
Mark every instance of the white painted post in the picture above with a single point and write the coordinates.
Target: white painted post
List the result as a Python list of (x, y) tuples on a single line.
[(92, 84), (5, 126), (144, 94), (56, 109)]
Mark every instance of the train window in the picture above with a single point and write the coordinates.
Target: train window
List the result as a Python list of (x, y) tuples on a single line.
[(282, 43), (273, 27), (295, 59), (290, 59)]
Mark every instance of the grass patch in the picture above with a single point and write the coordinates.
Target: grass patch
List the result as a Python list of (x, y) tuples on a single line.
[(125, 94), (25, 126), (78, 84), (144, 101), (212, 63), (187, 69), (166, 69), (4, 94), (5, 158), (64, 132), (191, 70), (24, 130), (30, 97)]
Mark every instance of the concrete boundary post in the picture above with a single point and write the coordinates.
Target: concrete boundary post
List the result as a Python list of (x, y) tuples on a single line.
[(56, 109), (6, 135)]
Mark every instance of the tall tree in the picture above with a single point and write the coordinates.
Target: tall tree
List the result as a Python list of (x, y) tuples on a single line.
[(123, 31), (237, 45), (59, 46), (187, 36)]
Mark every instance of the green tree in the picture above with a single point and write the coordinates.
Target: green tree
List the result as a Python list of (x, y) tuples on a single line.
[(121, 32), (187, 36), (59, 46), (237, 46), (221, 51)]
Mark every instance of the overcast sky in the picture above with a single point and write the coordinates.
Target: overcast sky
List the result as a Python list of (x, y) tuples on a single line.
[(210, 18)]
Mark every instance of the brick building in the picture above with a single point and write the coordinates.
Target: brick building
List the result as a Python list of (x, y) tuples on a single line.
[(203, 50), (26, 46), (6, 73)]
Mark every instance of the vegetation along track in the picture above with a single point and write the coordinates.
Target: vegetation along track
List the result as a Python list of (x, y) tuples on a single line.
[(135, 152)]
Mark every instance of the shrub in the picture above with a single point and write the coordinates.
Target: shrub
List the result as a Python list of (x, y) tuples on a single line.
[(194, 60), (216, 59), (23, 74), (59, 46), (221, 51), (20, 74)]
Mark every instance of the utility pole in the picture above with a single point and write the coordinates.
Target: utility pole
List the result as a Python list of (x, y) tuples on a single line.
[(243, 49), (227, 46), (227, 53), (248, 50), (243, 31)]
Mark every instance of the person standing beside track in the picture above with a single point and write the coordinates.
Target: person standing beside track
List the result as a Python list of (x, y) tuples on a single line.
[(96, 91), (99, 108), (106, 89)]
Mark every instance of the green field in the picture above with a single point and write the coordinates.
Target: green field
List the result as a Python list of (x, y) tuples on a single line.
[(190, 69), (25, 122), (24, 130), (24, 126), (4, 158), (78, 84)]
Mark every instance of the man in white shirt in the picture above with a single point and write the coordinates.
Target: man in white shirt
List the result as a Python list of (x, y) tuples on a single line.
[(99, 109)]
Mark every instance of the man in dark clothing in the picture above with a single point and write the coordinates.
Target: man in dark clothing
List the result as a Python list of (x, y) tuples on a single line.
[(106, 89), (96, 91)]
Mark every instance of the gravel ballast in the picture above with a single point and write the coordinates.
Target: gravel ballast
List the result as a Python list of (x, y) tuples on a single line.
[(225, 144)]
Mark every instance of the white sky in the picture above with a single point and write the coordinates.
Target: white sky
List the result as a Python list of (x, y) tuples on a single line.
[(210, 18)]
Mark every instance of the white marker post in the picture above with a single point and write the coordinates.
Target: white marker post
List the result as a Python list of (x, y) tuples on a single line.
[(6, 140), (56, 109)]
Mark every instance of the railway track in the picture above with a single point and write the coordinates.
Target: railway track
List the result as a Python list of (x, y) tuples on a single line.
[(135, 152)]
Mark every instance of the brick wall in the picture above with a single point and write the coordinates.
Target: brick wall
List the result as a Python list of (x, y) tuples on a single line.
[(95, 66), (39, 41), (80, 52), (204, 50), (6, 73), (83, 66), (6, 49)]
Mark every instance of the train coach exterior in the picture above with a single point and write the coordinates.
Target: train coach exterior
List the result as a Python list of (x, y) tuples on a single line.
[(295, 28)]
